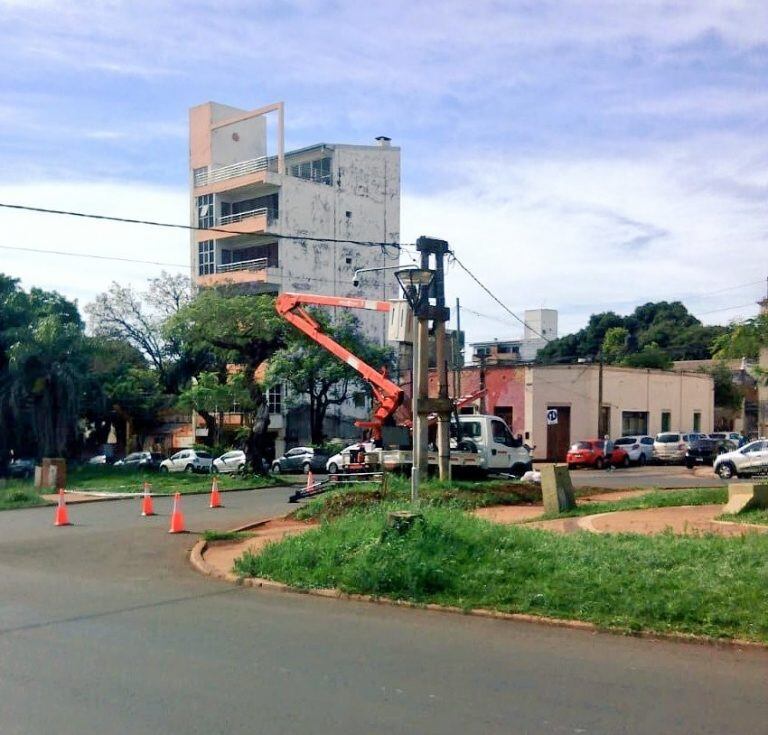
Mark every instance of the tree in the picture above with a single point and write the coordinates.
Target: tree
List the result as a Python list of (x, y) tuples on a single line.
[(122, 313), (662, 327), (239, 330), (307, 369), (651, 356), (211, 397), (727, 393), (615, 344), (743, 340), (45, 380)]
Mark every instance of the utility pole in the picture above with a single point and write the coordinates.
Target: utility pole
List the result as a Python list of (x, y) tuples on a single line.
[(430, 247), (459, 354), (600, 428), (482, 382)]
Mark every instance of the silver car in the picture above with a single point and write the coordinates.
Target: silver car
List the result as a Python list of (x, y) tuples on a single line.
[(751, 459), (187, 460), (670, 446), (229, 462)]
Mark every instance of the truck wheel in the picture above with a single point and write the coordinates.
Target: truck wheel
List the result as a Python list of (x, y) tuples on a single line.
[(467, 445)]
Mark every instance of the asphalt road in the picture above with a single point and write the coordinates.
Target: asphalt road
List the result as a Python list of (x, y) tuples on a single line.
[(104, 628)]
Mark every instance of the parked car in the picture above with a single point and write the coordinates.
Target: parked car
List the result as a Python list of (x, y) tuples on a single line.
[(670, 447), (703, 451), (300, 459), (98, 459), (732, 437), (21, 468), (591, 453), (751, 459), (639, 448), (334, 463), (187, 460), (233, 461), (141, 461)]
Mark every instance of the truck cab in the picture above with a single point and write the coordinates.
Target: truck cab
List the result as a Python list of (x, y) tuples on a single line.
[(490, 437)]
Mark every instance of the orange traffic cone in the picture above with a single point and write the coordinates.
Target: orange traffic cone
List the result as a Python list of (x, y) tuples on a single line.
[(177, 517), (147, 508), (310, 481), (215, 497), (62, 518)]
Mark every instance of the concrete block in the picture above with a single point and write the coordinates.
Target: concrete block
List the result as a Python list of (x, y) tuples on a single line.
[(556, 488), (745, 496), (53, 473)]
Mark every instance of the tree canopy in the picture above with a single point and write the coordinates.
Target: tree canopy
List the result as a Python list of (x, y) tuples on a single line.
[(652, 336)]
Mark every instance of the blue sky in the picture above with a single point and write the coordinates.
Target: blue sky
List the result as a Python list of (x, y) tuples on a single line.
[(580, 156)]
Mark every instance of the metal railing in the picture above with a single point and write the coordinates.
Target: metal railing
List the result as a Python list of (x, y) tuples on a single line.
[(229, 219), (242, 168), (256, 264)]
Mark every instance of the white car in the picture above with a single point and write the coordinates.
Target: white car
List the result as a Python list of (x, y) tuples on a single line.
[(187, 460), (233, 461), (751, 459), (638, 447), (334, 464)]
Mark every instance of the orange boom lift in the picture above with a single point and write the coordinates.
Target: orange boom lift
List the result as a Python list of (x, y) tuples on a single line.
[(387, 395)]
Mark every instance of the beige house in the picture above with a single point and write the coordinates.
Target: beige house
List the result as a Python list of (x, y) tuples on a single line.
[(633, 402)]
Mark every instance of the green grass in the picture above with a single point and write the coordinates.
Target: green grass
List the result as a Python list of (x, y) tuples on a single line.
[(210, 535), (463, 495), (117, 480), (756, 515), (651, 499), (707, 585), (19, 494)]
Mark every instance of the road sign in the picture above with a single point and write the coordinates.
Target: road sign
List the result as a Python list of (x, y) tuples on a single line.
[(551, 416)]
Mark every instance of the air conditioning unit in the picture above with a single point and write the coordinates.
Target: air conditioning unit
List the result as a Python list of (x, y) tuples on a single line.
[(400, 328)]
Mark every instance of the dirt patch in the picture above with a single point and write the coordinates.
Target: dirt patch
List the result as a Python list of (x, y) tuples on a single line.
[(509, 513), (221, 555)]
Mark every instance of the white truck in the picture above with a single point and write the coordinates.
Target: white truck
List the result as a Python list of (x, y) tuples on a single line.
[(486, 445)]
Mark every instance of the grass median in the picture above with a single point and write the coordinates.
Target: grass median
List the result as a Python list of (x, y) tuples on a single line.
[(118, 480), (758, 516), (705, 585), (19, 494)]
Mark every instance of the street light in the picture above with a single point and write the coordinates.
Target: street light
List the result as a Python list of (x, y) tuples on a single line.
[(415, 282), (412, 281)]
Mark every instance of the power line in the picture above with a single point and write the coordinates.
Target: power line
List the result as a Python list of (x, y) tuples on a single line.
[(92, 255), (497, 299), (175, 226)]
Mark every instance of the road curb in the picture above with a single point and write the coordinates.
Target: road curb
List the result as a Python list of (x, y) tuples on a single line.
[(198, 562)]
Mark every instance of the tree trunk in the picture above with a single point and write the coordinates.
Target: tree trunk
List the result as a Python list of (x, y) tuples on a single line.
[(211, 425), (255, 447)]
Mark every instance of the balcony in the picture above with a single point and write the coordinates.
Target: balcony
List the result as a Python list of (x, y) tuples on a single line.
[(205, 177), (243, 271), (250, 222)]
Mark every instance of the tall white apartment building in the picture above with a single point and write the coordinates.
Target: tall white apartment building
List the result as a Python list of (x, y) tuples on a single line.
[(291, 221), (272, 209)]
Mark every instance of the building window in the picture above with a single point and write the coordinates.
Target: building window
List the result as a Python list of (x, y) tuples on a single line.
[(634, 422), (206, 258), (359, 399), (666, 420), (275, 399), (200, 176), (318, 170), (697, 421), (205, 210)]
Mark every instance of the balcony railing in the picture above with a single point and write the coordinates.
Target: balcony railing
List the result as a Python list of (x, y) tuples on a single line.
[(256, 264), (242, 168), (229, 219)]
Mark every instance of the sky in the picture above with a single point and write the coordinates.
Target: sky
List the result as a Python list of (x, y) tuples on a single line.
[(583, 156)]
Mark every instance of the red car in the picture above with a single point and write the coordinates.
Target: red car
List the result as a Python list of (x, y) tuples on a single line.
[(591, 453)]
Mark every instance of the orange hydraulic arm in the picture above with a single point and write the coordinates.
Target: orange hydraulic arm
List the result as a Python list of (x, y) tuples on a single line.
[(388, 395)]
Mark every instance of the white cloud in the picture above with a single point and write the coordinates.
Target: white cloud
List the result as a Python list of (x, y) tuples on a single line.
[(591, 234), (83, 278)]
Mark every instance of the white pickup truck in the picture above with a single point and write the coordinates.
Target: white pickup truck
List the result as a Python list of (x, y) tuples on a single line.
[(486, 445)]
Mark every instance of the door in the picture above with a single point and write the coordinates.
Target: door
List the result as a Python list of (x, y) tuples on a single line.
[(499, 446), (559, 434)]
